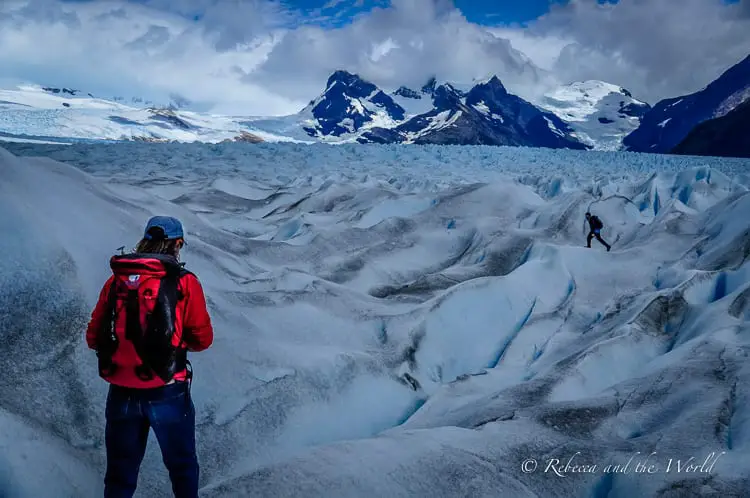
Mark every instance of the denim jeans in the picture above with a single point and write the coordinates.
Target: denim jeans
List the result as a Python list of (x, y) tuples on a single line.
[(130, 413)]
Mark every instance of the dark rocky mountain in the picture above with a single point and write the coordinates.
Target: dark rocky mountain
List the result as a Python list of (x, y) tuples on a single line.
[(408, 93), (348, 104), (671, 120), (727, 136)]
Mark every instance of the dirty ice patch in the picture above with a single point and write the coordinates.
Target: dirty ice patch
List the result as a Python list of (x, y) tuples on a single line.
[(427, 253), (26, 454), (609, 362)]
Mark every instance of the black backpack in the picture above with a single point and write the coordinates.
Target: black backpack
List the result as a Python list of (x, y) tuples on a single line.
[(596, 223)]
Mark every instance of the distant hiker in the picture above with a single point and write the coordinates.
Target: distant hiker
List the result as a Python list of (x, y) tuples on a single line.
[(150, 312), (595, 228)]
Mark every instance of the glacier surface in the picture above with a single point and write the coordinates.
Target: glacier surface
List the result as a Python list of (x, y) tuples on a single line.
[(395, 320)]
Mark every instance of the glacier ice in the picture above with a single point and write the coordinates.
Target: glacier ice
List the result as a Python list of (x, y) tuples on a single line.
[(393, 320)]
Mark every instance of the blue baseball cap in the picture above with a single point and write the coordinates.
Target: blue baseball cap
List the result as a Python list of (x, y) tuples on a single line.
[(163, 227)]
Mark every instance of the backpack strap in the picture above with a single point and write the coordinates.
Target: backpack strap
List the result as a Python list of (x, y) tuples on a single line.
[(183, 273), (134, 333), (159, 355), (107, 341)]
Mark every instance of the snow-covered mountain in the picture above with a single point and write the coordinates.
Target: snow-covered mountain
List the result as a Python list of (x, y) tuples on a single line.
[(352, 109), (395, 321), (486, 115), (670, 120), (348, 105), (34, 112), (582, 115), (600, 113)]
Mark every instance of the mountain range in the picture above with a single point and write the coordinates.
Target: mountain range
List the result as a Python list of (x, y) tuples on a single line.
[(485, 115), (588, 115)]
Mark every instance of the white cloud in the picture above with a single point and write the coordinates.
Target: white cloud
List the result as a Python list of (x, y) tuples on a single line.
[(229, 23), (423, 38), (380, 50), (543, 50), (332, 4), (260, 57), (656, 49), (120, 49)]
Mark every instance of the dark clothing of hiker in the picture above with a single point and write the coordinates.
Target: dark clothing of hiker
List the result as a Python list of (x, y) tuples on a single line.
[(130, 414), (150, 313), (595, 234), (595, 227)]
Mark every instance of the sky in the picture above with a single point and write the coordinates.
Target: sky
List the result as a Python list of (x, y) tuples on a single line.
[(271, 57)]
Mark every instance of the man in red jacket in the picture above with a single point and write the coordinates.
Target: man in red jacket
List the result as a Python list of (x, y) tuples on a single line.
[(150, 313)]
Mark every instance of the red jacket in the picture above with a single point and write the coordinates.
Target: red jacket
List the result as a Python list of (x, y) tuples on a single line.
[(192, 325)]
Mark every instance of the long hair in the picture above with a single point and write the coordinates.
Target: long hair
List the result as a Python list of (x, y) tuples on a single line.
[(162, 246)]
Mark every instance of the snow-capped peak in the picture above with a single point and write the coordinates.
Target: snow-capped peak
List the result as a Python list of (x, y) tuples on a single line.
[(601, 113), (580, 99), (492, 80), (347, 79), (492, 84), (348, 105)]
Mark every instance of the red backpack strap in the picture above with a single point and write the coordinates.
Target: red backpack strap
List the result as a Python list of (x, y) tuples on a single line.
[(106, 340)]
